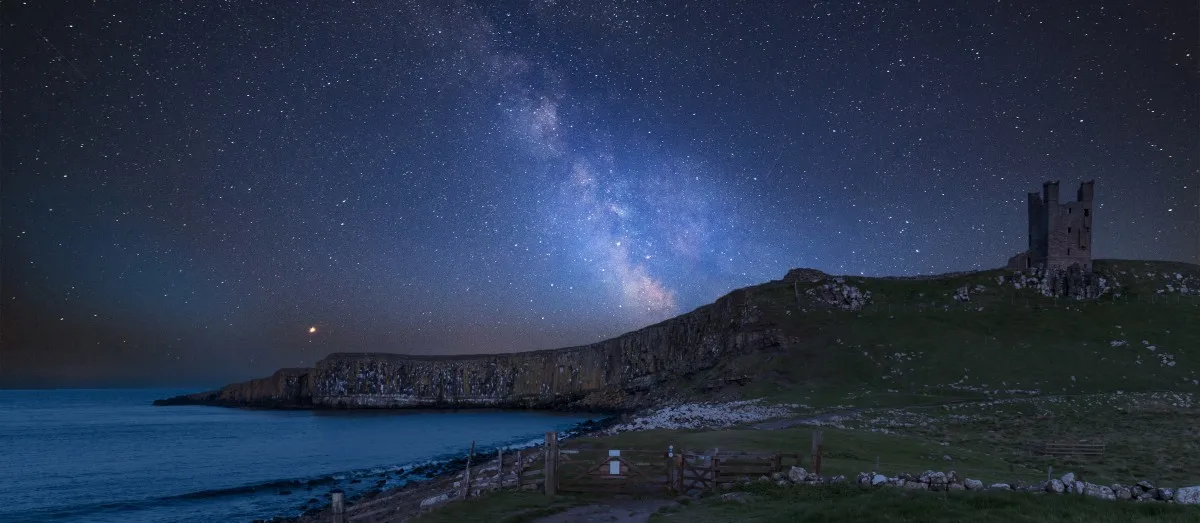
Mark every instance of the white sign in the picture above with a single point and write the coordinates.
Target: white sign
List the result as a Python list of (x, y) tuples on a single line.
[(614, 466)]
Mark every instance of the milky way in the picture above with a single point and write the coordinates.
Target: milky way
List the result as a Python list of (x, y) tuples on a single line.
[(211, 192)]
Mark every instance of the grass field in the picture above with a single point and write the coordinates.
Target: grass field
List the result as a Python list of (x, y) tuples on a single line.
[(853, 504), (770, 503), (929, 382)]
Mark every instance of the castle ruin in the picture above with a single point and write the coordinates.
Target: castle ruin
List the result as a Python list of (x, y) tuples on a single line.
[(1060, 234)]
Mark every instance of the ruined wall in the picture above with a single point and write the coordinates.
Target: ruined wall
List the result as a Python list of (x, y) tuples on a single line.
[(600, 375)]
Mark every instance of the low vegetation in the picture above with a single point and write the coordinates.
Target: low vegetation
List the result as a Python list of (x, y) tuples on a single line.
[(767, 503)]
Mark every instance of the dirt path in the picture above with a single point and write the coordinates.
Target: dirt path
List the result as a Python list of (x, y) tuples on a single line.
[(614, 511)]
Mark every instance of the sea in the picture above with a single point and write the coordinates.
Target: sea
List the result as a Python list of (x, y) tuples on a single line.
[(108, 455)]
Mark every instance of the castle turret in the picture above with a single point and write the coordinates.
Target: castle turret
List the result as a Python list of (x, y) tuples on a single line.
[(1050, 194), (1085, 191), (1060, 234)]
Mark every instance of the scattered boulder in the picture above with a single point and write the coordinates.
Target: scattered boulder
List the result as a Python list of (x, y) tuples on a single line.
[(1123, 493), (735, 497), (838, 479), (973, 484), (1098, 491), (1166, 494), (783, 482), (797, 474), (1187, 495), (1068, 478), (916, 485), (955, 486), (777, 476), (878, 479), (1055, 486), (999, 486)]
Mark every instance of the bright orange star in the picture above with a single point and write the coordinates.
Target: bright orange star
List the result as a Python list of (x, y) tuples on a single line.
[(312, 330)]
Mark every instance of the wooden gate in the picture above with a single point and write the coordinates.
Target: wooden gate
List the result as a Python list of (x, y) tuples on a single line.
[(697, 472), (612, 471)]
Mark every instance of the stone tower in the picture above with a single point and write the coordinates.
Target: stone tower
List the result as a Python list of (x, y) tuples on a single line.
[(1060, 234)]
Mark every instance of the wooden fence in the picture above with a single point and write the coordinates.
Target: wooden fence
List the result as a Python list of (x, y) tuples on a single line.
[(1071, 449), (640, 471)]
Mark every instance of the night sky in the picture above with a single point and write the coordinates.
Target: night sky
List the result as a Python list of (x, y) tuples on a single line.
[(189, 188)]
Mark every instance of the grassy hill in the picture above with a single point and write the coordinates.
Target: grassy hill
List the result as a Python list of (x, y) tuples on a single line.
[(912, 340), (965, 372)]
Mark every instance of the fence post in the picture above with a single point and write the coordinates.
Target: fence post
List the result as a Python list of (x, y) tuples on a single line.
[(679, 474), (551, 463), (337, 502), (467, 472), (818, 438), (1049, 472), (714, 470), (520, 466)]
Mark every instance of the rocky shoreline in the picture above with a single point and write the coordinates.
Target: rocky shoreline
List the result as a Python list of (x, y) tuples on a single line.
[(438, 480)]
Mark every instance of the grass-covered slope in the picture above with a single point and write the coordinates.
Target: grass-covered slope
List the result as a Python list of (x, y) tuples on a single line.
[(912, 338)]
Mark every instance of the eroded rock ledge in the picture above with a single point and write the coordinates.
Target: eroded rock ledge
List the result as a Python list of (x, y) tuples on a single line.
[(614, 374)]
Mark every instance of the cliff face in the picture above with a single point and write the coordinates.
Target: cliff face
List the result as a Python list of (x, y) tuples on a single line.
[(605, 375), (286, 388)]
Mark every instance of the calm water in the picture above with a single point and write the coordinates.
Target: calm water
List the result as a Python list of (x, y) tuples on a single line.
[(108, 455)]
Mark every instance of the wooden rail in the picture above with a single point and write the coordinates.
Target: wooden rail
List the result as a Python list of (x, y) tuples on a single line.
[(1071, 449)]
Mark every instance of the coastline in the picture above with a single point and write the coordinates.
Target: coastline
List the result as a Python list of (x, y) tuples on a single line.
[(435, 480)]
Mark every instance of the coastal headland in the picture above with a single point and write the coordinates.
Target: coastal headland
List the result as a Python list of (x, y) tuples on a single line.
[(611, 375)]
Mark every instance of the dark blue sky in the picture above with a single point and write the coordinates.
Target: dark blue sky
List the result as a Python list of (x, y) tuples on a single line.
[(187, 189)]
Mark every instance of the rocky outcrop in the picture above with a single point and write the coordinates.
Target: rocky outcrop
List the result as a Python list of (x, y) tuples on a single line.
[(614, 374)]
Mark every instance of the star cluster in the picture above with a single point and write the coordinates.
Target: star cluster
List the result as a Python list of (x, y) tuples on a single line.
[(212, 191)]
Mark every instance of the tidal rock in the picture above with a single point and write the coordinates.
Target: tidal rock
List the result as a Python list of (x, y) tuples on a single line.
[(797, 474), (973, 484)]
